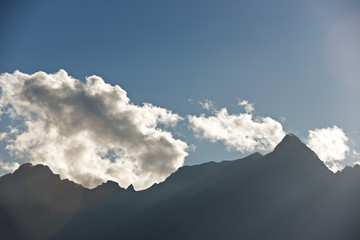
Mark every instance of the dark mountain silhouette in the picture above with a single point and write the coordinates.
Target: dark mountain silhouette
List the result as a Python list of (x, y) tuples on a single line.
[(286, 194)]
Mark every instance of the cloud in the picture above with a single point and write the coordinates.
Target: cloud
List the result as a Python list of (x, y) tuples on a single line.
[(3, 135), (8, 167), (355, 154), (330, 144), (238, 131), (249, 107), (89, 132), (207, 104)]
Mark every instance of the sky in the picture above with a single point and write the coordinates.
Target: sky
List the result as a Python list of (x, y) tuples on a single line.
[(131, 90)]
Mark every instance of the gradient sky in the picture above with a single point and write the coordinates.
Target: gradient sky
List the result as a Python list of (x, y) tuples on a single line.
[(294, 60)]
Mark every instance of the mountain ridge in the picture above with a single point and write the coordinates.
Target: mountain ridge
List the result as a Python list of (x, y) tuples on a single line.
[(286, 194)]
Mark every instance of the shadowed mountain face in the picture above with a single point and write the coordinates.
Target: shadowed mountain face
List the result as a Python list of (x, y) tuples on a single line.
[(286, 194)]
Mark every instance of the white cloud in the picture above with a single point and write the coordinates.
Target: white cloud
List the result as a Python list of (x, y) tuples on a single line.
[(3, 135), (90, 132), (238, 131), (330, 144), (335, 166), (207, 104), (249, 107), (8, 167), (191, 148), (356, 155)]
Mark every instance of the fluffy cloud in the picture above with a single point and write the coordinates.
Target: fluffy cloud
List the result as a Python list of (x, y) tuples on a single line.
[(8, 167), (3, 136), (207, 104), (238, 131), (89, 132), (331, 145), (249, 107)]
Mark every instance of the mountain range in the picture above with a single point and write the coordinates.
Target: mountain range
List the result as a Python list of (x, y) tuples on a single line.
[(286, 194)]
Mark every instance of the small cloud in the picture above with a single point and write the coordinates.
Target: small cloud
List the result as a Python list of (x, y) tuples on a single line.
[(282, 119), (8, 167), (355, 154), (249, 107), (330, 144), (238, 131), (207, 104), (191, 148), (335, 166), (3, 135)]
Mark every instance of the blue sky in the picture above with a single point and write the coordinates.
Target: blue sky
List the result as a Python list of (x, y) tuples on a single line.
[(278, 55)]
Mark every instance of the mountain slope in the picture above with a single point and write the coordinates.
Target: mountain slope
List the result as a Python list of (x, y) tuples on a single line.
[(253, 202), (35, 202), (286, 194)]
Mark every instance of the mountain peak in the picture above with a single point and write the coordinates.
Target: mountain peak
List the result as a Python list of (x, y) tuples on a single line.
[(109, 185), (112, 183), (33, 169), (289, 141), (296, 156), (24, 166), (289, 137), (130, 188)]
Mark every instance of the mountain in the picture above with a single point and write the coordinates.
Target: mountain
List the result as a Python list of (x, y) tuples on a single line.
[(286, 194)]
